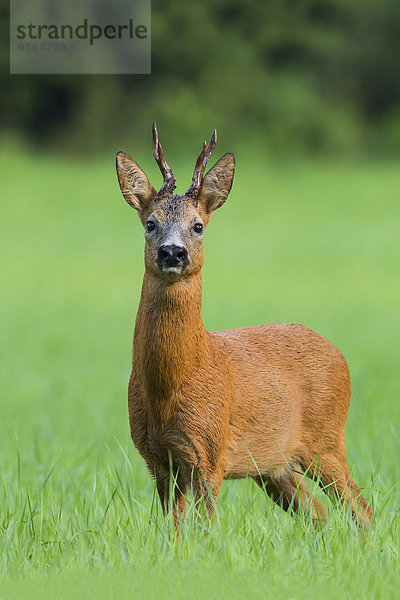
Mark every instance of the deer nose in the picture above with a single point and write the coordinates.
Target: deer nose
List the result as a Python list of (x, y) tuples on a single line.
[(172, 256)]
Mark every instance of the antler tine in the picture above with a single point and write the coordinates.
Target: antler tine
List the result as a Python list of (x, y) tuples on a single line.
[(168, 185), (201, 163)]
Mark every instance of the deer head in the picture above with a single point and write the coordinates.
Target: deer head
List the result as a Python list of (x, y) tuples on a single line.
[(174, 223)]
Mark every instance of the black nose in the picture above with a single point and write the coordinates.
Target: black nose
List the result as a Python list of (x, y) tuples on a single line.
[(172, 256)]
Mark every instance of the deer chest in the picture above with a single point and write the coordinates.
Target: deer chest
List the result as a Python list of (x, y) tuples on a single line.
[(171, 445)]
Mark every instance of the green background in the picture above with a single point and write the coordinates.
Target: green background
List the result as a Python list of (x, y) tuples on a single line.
[(306, 94)]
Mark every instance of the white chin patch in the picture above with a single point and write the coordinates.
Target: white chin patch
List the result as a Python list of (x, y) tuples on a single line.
[(175, 270)]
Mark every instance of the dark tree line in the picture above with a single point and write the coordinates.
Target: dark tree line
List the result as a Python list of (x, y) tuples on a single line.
[(303, 75)]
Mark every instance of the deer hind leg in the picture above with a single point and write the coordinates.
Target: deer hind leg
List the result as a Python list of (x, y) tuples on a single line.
[(291, 493), (335, 478)]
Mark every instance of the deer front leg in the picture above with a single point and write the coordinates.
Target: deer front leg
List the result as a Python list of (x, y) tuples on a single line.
[(171, 496), (206, 489)]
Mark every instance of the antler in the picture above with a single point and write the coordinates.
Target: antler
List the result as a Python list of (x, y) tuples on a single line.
[(169, 180), (201, 162)]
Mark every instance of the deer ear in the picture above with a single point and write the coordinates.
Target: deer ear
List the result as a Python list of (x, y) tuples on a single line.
[(217, 183), (135, 187)]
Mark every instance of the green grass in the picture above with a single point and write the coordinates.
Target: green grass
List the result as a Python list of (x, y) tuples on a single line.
[(314, 243)]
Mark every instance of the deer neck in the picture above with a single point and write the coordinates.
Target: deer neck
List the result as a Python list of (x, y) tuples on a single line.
[(170, 339)]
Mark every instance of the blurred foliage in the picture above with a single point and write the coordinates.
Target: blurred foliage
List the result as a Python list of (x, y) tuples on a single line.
[(293, 75)]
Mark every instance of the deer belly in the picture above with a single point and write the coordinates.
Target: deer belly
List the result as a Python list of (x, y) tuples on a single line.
[(264, 431)]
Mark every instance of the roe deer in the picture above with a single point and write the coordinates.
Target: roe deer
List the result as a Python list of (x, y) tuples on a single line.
[(268, 402)]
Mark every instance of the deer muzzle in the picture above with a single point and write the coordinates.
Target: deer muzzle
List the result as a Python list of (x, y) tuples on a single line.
[(172, 258)]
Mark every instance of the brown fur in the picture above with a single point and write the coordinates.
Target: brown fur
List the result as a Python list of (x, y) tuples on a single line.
[(265, 402)]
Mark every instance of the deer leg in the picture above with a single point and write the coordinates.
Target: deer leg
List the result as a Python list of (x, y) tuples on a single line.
[(163, 484), (206, 489), (290, 492), (335, 477), (319, 512)]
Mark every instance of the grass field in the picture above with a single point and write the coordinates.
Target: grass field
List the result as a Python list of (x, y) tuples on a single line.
[(316, 243)]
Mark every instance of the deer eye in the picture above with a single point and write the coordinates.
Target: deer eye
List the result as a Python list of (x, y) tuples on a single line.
[(198, 228), (150, 226)]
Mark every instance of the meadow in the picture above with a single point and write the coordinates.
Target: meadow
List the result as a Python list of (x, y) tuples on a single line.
[(315, 242)]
